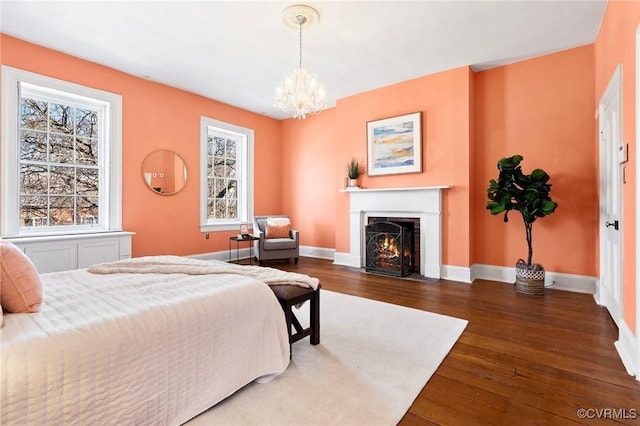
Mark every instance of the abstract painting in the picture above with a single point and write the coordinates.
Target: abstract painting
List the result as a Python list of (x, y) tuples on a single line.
[(394, 145)]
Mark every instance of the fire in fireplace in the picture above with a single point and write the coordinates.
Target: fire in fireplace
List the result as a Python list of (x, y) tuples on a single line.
[(389, 248)]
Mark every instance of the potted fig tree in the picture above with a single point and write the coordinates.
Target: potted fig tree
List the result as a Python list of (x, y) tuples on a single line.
[(527, 194)]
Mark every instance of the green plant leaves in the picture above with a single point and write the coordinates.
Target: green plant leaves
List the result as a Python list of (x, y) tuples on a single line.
[(510, 163), (354, 168), (496, 208), (515, 190), (539, 176)]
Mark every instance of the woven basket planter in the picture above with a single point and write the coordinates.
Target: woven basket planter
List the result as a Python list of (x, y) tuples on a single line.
[(529, 281)]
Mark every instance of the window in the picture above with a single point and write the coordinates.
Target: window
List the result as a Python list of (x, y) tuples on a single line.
[(226, 175), (60, 157)]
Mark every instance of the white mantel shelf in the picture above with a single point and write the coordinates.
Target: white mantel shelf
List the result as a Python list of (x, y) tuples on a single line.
[(409, 188), (424, 203)]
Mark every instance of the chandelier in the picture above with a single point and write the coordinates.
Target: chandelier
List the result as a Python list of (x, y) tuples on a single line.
[(300, 93)]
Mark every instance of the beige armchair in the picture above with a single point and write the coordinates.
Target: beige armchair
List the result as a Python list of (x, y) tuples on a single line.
[(281, 247)]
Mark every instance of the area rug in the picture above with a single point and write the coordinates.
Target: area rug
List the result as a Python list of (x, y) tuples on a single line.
[(373, 360)]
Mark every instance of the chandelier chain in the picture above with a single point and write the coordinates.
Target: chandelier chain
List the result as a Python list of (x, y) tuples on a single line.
[(300, 22)]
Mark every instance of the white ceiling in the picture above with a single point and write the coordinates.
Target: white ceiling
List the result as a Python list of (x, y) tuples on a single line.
[(237, 51)]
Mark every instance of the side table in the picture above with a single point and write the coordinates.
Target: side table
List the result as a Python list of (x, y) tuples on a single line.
[(250, 239)]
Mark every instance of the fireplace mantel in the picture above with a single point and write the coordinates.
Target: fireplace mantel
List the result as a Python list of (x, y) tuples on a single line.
[(424, 203), (410, 188)]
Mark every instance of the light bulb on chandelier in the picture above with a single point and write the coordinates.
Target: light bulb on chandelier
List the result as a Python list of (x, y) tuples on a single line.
[(300, 92)]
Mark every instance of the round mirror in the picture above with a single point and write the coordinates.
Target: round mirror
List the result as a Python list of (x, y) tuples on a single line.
[(164, 172)]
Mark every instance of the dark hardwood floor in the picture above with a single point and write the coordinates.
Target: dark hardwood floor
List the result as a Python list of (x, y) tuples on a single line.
[(521, 360)]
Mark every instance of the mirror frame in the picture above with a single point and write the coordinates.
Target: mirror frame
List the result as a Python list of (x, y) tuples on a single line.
[(176, 156)]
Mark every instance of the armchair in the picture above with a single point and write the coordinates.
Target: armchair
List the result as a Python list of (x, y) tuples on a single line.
[(276, 239)]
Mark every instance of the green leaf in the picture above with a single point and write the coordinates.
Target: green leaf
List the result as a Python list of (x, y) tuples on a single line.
[(549, 207), (496, 208), (509, 162), (540, 176)]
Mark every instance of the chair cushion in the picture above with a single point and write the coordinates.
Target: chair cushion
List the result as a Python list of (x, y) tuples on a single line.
[(279, 244), (278, 227)]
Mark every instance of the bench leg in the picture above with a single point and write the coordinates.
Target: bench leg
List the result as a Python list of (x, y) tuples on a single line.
[(315, 317), (288, 317)]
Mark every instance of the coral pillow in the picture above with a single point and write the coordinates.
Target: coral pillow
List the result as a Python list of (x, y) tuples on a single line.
[(21, 289), (278, 227)]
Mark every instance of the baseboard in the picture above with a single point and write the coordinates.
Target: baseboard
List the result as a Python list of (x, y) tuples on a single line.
[(555, 280), (317, 252), (243, 253), (493, 273), (345, 259), (627, 349), (456, 273), (571, 282)]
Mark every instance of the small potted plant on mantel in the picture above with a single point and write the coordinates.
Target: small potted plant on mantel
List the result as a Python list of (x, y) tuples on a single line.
[(529, 195), (354, 170)]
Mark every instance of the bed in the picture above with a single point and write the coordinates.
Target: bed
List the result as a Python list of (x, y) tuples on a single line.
[(153, 340)]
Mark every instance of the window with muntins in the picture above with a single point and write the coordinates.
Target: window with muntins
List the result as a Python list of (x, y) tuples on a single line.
[(223, 174), (226, 177), (58, 157), (60, 164)]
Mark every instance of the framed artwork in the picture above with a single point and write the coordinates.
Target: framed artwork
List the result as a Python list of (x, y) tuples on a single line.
[(394, 145), (244, 229)]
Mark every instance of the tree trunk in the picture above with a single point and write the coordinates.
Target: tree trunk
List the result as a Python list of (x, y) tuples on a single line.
[(528, 229)]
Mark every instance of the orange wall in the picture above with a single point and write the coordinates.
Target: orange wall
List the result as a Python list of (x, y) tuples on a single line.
[(157, 116), (542, 109), (616, 44), (309, 149), (443, 99)]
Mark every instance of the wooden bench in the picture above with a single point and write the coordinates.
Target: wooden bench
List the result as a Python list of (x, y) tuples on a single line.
[(292, 295)]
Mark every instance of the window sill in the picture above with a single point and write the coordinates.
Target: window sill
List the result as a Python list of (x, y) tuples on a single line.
[(222, 227)]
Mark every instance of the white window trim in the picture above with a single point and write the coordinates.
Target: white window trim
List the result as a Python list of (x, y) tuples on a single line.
[(205, 224), (9, 140)]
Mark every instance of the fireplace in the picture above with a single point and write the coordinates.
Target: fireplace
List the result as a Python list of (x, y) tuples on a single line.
[(389, 248), (423, 203)]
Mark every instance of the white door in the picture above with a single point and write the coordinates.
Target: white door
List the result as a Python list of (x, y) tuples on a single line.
[(609, 292)]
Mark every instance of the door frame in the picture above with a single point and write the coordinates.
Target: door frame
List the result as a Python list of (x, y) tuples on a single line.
[(614, 88)]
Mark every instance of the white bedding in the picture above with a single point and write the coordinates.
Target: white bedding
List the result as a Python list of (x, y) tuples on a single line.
[(186, 265), (137, 349)]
